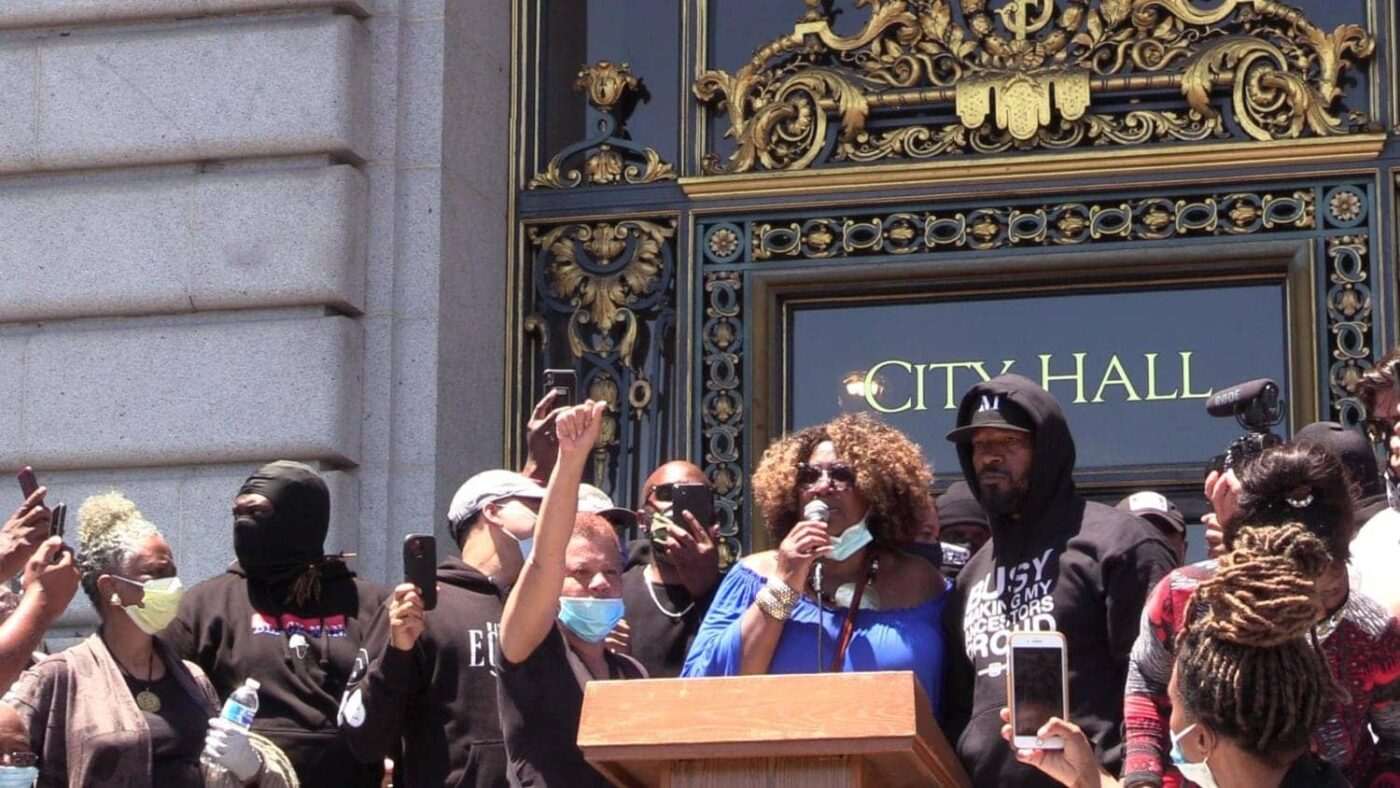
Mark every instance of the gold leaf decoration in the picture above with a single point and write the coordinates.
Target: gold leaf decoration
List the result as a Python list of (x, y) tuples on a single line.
[(1042, 65)]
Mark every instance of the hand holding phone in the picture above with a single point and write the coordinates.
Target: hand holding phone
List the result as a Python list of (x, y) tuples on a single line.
[(28, 482), (695, 498), (1038, 687), (420, 566), (565, 382)]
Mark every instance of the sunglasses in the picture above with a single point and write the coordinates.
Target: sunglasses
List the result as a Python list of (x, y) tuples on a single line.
[(841, 475)]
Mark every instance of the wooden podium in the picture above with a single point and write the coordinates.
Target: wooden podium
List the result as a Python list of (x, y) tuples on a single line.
[(826, 730)]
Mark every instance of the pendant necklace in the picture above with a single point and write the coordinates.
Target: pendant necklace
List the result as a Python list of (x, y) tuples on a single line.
[(146, 700)]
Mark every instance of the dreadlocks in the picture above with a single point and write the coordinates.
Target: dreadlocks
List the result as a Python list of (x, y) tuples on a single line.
[(1245, 666)]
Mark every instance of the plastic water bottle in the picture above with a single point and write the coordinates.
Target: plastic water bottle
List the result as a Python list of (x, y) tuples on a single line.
[(240, 708)]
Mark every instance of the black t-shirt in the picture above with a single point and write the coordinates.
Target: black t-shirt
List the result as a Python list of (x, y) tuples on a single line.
[(660, 641), (541, 701), (177, 732), (1310, 771)]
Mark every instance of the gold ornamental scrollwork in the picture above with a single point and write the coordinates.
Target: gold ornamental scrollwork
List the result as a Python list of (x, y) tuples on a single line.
[(1030, 74), (604, 270), (603, 304), (610, 157)]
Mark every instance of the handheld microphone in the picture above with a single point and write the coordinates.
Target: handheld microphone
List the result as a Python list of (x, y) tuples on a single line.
[(816, 510), (1227, 402)]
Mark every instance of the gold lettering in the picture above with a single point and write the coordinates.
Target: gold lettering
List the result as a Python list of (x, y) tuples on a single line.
[(1078, 376), (948, 381), (1006, 365), (1116, 366), (1186, 378), (919, 370), (1152, 395), (870, 386), (980, 369)]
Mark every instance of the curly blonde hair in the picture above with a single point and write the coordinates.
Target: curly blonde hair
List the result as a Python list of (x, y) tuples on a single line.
[(110, 529), (891, 474)]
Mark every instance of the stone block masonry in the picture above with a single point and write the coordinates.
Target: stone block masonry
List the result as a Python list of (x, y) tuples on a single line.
[(222, 242)]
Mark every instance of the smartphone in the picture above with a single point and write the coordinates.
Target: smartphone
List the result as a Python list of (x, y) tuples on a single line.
[(28, 482), (56, 520), (565, 381), (694, 498), (1038, 686), (420, 566)]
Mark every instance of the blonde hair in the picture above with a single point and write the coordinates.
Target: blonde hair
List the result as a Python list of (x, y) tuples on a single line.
[(110, 529)]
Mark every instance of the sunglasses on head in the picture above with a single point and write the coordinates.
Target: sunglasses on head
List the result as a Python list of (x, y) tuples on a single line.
[(840, 474)]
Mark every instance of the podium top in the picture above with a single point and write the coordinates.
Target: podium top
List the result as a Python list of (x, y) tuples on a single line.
[(785, 716)]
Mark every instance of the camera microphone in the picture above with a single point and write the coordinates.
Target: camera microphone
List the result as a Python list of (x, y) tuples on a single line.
[(1229, 401)]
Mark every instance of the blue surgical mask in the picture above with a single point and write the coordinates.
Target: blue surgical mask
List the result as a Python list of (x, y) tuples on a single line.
[(1198, 773), (526, 545), (851, 541), (588, 617), (18, 776)]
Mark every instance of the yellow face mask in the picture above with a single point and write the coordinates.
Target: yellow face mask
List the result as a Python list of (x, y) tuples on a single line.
[(159, 602)]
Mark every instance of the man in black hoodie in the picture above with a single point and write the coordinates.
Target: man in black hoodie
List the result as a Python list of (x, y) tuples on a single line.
[(289, 616), (430, 687), (1054, 562)]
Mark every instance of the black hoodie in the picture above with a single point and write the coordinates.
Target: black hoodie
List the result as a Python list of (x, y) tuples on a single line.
[(233, 629), (1082, 569), (438, 699), (290, 617)]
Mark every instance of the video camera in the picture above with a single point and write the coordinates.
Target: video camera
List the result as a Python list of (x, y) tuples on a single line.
[(1257, 407)]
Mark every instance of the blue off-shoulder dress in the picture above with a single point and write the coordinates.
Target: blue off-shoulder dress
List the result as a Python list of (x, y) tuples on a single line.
[(906, 639)]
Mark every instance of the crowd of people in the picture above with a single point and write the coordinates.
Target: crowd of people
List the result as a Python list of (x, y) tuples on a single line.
[(1276, 662)]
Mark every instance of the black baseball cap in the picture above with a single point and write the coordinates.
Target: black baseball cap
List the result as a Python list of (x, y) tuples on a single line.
[(1155, 508), (958, 506), (1351, 448), (994, 410)]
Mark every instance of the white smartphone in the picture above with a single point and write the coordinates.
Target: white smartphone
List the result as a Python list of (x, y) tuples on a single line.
[(1038, 687)]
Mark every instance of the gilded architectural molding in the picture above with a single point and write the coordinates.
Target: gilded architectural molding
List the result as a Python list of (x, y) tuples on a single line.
[(985, 229), (605, 291), (610, 157), (919, 82), (722, 401)]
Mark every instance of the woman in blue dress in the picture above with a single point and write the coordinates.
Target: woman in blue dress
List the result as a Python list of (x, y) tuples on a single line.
[(840, 590)]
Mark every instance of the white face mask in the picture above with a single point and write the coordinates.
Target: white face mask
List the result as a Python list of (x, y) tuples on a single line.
[(1198, 773), (527, 544)]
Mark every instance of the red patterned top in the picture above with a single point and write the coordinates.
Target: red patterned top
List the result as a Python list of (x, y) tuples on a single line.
[(1362, 646)]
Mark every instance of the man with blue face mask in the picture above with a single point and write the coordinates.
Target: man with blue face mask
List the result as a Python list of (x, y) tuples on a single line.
[(566, 601), (425, 683)]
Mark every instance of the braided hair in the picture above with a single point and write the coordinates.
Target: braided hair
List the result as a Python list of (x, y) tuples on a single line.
[(1245, 666), (1297, 483)]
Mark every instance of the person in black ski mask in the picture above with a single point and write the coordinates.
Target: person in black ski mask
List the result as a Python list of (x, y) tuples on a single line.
[(288, 615)]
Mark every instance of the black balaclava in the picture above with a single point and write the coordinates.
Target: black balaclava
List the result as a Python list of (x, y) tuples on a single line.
[(289, 546)]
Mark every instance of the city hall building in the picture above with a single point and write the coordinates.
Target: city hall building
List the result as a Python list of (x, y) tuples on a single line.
[(356, 232)]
